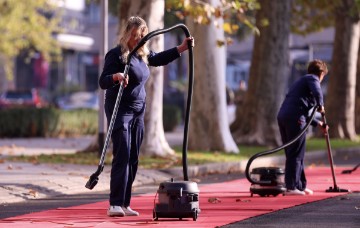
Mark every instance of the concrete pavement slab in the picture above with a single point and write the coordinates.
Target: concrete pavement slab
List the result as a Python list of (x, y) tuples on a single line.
[(23, 181)]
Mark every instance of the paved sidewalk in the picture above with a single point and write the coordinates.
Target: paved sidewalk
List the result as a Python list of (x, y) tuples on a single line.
[(24, 181), (37, 146)]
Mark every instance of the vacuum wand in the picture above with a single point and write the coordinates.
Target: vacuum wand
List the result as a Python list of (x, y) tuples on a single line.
[(94, 178), (335, 188)]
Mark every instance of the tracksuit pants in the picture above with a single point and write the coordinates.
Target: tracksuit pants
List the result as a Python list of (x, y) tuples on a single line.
[(294, 166), (127, 137)]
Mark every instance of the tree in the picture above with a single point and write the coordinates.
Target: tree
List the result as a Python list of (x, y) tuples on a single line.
[(344, 16), (311, 16), (209, 129), (208, 21), (269, 71), (357, 96), (152, 12), (27, 26), (154, 142), (340, 103)]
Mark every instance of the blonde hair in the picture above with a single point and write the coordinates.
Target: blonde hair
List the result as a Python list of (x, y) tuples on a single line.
[(139, 24)]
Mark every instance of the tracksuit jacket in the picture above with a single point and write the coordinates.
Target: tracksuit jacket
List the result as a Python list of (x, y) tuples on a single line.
[(303, 95)]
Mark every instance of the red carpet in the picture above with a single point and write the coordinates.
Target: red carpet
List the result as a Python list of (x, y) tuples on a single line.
[(234, 204)]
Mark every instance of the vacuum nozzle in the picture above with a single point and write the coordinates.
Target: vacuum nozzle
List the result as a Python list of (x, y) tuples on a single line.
[(346, 171), (93, 180), (337, 189), (349, 171)]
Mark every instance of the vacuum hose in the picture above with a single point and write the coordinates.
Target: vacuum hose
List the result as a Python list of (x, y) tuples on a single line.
[(272, 151), (190, 86)]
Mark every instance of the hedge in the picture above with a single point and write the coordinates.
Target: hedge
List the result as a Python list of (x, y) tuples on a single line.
[(46, 122), (52, 122)]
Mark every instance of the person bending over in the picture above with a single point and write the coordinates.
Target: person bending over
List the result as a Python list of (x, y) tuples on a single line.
[(302, 96)]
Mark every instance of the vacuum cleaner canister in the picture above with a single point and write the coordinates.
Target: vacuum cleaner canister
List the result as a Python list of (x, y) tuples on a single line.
[(177, 199), (273, 175)]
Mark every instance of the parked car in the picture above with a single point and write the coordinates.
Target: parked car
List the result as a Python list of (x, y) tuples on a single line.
[(21, 98), (79, 100)]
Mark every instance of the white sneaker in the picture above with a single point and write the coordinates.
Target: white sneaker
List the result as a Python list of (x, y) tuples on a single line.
[(308, 191), (115, 211), (130, 212), (295, 192)]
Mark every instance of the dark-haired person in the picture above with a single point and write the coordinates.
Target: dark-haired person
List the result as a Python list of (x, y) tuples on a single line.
[(302, 96), (128, 131)]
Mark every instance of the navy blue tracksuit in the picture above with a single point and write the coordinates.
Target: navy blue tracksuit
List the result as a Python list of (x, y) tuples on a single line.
[(128, 128), (304, 94)]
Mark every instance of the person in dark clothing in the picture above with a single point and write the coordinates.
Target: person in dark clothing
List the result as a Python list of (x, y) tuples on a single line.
[(303, 95), (128, 131)]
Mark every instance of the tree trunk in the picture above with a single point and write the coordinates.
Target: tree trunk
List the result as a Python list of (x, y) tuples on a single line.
[(340, 103), (209, 129), (256, 121), (152, 12), (357, 96), (3, 79)]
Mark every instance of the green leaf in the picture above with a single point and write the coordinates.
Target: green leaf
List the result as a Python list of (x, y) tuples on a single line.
[(28, 26)]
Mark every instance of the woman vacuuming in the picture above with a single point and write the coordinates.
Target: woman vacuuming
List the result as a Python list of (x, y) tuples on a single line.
[(303, 95)]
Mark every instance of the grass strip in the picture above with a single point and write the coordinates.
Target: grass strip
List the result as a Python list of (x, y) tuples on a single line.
[(194, 157)]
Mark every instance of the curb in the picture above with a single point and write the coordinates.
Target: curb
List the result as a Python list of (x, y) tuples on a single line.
[(312, 157)]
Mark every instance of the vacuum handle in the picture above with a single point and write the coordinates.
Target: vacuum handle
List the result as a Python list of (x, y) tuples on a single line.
[(325, 125), (113, 117), (331, 160), (155, 33)]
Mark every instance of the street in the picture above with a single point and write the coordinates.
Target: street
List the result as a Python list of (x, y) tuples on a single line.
[(332, 210), (339, 211)]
